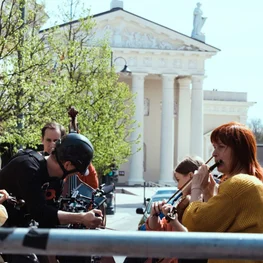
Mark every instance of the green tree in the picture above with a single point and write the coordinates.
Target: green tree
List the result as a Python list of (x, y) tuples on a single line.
[(45, 72), (257, 127), (105, 105), (25, 90)]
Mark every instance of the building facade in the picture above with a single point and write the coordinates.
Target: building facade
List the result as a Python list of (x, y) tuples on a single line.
[(175, 114)]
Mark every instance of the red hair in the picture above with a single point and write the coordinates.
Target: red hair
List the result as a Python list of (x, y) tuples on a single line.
[(243, 144)]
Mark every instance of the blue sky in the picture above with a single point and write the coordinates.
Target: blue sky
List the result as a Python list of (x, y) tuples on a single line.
[(233, 26)]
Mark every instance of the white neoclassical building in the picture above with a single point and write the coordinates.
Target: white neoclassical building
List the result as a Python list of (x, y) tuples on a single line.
[(176, 115)]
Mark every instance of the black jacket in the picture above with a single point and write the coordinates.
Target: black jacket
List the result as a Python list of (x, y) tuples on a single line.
[(24, 177)]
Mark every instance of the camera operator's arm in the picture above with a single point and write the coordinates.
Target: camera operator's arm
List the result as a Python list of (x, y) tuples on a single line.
[(90, 219), (49, 216)]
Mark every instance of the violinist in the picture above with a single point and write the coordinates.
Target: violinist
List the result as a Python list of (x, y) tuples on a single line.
[(182, 173), (237, 205)]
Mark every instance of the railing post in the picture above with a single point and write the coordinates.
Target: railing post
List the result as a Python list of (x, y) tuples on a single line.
[(144, 197)]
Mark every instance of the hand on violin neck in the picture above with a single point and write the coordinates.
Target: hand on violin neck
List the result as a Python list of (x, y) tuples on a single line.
[(172, 217), (156, 208), (154, 218), (167, 208)]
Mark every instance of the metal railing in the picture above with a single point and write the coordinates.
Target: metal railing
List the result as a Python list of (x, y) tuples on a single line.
[(137, 244)]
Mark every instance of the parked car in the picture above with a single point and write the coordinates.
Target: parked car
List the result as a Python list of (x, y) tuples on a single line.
[(164, 191), (146, 212)]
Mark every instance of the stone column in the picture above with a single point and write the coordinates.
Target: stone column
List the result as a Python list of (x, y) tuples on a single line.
[(243, 119), (184, 116), (167, 130), (197, 125), (136, 160)]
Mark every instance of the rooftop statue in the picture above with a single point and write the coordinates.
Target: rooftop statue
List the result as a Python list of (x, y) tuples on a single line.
[(198, 23), (116, 4)]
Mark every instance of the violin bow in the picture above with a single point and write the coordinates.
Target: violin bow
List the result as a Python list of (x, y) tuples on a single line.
[(179, 192)]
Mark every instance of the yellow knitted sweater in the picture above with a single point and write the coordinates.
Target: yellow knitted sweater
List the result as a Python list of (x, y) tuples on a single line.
[(237, 208)]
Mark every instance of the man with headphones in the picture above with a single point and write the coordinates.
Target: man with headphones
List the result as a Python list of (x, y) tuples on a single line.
[(25, 175)]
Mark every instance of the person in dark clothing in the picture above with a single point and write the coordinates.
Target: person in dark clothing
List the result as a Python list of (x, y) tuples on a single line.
[(50, 133), (26, 175)]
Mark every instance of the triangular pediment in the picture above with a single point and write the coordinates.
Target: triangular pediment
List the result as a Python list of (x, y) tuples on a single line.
[(126, 30)]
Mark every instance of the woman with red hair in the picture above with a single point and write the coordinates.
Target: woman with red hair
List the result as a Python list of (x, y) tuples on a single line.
[(235, 147), (237, 205)]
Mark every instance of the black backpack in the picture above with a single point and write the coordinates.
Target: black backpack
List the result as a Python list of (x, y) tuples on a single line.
[(18, 214), (53, 188), (39, 157)]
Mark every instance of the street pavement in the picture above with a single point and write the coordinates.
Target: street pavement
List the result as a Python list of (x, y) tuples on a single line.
[(127, 200), (125, 217)]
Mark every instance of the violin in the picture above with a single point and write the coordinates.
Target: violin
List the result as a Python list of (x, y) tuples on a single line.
[(179, 193)]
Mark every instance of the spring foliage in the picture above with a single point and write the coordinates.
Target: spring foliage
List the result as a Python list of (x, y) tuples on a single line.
[(44, 72)]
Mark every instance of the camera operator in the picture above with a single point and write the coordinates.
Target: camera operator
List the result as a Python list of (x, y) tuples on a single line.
[(27, 172), (50, 133)]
